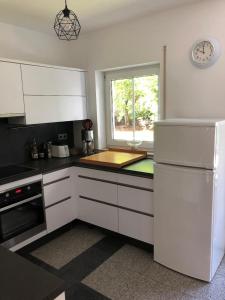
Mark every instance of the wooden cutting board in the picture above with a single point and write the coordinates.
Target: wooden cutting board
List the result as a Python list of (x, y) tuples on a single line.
[(114, 159)]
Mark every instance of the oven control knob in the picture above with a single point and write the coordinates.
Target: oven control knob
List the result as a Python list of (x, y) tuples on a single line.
[(7, 195), (28, 188)]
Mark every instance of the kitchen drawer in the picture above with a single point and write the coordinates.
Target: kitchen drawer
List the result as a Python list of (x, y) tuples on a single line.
[(57, 175), (136, 199), (97, 190), (141, 182), (98, 214), (55, 192), (135, 225), (60, 214), (96, 174)]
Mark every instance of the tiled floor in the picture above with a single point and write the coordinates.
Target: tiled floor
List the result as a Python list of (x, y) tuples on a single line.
[(99, 266), (73, 243)]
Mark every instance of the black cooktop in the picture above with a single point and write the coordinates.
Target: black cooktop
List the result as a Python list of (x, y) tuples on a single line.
[(14, 170)]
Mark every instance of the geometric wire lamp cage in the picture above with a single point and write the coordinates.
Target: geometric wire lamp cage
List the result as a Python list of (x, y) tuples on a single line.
[(67, 25)]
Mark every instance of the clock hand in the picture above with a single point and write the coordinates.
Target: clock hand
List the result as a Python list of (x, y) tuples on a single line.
[(203, 48)]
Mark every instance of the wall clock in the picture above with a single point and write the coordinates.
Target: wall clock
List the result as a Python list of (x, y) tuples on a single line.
[(205, 52)]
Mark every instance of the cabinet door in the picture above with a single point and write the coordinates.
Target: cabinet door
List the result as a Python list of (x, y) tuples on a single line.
[(11, 93), (135, 225), (56, 175), (141, 182), (136, 199), (187, 145), (48, 109), (57, 191), (60, 214), (97, 190), (183, 204), (98, 214), (46, 81)]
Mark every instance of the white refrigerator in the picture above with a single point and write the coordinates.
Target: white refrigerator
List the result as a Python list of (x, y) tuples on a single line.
[(189, 196)]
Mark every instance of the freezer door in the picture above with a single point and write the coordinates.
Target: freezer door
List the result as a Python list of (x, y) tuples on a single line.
[(183, 219), (185, 145)]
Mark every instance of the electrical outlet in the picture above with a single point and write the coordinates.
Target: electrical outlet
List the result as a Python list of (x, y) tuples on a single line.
[(62, 136)]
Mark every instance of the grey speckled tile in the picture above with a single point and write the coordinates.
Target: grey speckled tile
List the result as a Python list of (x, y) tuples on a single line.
[(182, 284), (110, 279), (131, 274), (207, 291), (221, 269), (133, 258), (145, 289), (67, 246), (115, 282)]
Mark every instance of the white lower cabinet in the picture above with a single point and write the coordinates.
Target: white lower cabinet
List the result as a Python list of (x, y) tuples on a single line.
[(136, 199), (98, 214), (60, 214), (60, 202), (117, 202), (84, 194), (57, 191), (97, 190), (136, 225)]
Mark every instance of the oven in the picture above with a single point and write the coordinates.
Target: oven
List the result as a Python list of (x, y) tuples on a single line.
[(22, 213)]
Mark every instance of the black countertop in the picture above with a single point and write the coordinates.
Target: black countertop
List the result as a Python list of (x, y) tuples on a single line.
[(22, 280), (22, 175), (53, 164)]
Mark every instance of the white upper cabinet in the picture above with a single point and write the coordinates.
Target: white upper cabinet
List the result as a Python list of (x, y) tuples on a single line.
[(41, 93), (50, 109), (47, 81), (11, 92), (53, 94)]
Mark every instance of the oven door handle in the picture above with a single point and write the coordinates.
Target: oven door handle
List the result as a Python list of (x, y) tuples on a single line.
[(20, 203)]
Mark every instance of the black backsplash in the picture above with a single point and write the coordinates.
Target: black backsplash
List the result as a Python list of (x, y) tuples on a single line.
[(15, 141)]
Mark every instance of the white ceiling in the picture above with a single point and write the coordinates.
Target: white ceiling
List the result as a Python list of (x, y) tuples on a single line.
[(93, 14)]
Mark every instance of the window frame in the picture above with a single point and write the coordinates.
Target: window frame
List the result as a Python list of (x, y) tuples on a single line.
[(126, 73)]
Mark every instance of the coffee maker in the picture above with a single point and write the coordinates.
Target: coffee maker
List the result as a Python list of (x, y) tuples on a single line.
[(87, 136)]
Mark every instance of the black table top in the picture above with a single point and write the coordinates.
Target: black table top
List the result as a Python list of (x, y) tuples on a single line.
[(53, 164), (22, 280)]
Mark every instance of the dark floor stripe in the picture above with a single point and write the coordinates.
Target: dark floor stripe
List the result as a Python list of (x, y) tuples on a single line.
[(82, 265), (47, 238), (42, 264), (79, 291)]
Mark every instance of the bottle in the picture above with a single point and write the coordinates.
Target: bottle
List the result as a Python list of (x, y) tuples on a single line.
[(41, 153), (49, 149), (34, 150)]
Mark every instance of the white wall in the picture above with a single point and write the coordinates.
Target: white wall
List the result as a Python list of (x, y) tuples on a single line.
[(24, 44), (190, 92)]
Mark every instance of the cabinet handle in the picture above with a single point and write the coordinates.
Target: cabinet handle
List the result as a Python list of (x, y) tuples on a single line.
[(58, 202), (117, 206), (57, 180), (117, 183)]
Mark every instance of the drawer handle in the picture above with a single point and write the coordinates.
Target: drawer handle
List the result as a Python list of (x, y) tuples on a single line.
[(118, 206), (58, 202), (114, 182), (136, 187), (57, 180), (97, 179)]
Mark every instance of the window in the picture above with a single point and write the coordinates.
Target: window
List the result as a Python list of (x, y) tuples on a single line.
[(132, 105)]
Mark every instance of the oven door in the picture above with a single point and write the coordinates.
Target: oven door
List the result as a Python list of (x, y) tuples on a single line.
[(21, 221)]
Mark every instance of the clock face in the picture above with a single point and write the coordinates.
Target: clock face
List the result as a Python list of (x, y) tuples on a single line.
[(205, 53)]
